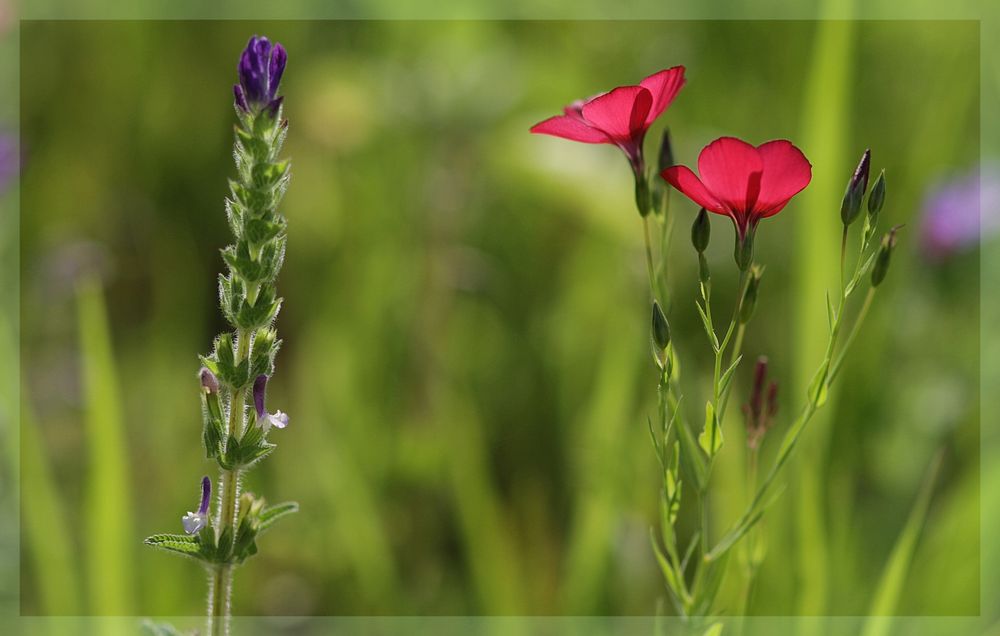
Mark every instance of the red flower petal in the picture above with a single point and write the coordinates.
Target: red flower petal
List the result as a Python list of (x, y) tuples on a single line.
[(682, 178), (571, 128), (731, 170), (663, 86), (620, 113), (786, 173)]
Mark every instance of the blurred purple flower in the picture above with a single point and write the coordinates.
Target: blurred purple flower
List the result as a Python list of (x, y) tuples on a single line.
[(9, 160), (951, 221)]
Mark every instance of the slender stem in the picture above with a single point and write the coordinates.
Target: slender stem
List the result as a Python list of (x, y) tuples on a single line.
[(843, 257), (862, 314), (752, 565), (650, 268), (229, 485)]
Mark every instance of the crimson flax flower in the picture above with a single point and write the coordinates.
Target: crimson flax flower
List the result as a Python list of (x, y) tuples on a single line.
[(620, 116), (744, 182)]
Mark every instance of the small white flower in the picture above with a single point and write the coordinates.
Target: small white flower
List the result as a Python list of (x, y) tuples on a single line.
[(193, 522), (266, 420)]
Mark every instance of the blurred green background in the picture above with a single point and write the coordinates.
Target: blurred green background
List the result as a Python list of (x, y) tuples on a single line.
[(466, 362)]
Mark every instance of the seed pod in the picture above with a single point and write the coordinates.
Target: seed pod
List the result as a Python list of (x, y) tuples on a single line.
[(749, 302), (660, 328), (876, 198), (666, 157), (881, 266), (704, 275), (855, 191), (743, 253), (701, 231), (642, 199)]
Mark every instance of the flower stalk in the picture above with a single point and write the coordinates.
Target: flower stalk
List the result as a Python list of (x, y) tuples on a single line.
[(243, 356), (747, 184)]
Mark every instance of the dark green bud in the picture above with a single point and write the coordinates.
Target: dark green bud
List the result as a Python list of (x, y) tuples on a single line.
[(855, 191), (743, 253), (642, 199), (701, 231), (881, 266), (660, 328), (666, 157), (876, 198), (749, 302)]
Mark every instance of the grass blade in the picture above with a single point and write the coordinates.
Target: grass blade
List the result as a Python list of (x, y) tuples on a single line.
[(890, 585), (107, 515)]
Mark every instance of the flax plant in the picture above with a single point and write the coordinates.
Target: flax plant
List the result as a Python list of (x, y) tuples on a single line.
[(747, 184), (234, 377)]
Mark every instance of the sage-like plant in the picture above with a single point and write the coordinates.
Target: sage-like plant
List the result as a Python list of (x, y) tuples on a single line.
[(236, 373), (747, 184)]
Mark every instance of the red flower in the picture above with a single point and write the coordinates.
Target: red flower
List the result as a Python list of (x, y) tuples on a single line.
[(620, 117), (742, 182)]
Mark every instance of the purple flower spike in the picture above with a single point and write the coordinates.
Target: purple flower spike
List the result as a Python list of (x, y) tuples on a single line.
[(260, 70), (195, 521), (264, 419)]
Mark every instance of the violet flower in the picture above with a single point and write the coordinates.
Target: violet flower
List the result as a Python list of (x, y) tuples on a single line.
[(264, 419), (951, 221), (195, 521), (260, 69)]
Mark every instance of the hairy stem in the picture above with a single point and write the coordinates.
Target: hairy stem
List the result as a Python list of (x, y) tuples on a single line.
[(229, 486)]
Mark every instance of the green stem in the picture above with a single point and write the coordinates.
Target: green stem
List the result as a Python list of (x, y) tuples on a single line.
[(229, 485), (862, 314), (650, 268)]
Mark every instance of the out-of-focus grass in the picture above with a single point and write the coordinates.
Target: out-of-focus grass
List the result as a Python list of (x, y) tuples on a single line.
[(465, 320), (106, 540)]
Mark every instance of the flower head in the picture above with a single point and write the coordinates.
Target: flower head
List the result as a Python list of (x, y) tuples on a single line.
[(744, 182), (620, 116), (264, 419), (195, 521), (762, 406), (260, 69)]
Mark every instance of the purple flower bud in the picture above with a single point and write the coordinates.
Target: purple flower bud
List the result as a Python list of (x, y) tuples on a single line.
[(274, 70), (264, 419), (209, 382), (856, 189), (194, 521), (260, 70), (241, 98), (762, 406), (259, 388)]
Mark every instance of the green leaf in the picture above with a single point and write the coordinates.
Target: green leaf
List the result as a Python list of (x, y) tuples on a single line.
[(708, 326), (692, 458), (818, 386), (894, 576), (669, 574), (727, 377), (272, 513), (250, 456), (185, 545), (710, 439), (714, 630)]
